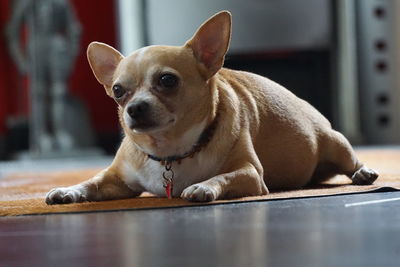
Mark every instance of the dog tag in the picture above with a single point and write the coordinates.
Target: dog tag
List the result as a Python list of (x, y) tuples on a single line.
[(168, 190), (168, 183)]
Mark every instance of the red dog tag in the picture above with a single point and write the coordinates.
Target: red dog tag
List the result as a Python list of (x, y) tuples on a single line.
[(168, 176), (168, 189)]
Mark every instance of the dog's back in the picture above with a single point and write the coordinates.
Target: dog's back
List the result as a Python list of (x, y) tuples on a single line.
[(288, 133)]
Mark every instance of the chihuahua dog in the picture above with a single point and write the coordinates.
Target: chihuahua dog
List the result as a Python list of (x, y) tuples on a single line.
[(201, 132)]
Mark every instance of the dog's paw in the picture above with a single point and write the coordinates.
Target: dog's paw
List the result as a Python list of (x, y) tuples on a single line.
[(199, 193), (364, 176), (65, 195)]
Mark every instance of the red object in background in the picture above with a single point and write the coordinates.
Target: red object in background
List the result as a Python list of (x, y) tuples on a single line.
[(97, 18), (10, 88)]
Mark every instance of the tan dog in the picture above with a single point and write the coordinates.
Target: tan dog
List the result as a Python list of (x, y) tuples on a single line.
[(196, 130)]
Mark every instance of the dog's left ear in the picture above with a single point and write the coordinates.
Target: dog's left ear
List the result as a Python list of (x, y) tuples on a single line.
[(211, 41)]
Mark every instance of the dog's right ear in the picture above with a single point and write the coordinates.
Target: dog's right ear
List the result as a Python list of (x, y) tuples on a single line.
[(103, 59)]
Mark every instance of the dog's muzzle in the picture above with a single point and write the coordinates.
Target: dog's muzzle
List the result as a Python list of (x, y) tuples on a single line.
[(140, 115)]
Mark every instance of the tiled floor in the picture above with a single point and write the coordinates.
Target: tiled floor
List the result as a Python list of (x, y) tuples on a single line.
[(330, 231)]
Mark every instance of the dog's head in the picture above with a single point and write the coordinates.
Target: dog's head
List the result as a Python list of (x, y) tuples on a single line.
[(162, 87)]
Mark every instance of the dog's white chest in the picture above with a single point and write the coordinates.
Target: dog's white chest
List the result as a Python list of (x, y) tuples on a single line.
[(188, 172)]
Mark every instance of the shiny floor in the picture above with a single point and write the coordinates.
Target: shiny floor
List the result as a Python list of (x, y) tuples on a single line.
[(351, 230)]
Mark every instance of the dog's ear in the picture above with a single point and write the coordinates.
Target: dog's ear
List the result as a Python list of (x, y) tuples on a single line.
[(103, 59), (211, 41)]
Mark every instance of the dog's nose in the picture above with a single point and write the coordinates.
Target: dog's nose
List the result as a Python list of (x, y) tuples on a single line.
[(138, 110)]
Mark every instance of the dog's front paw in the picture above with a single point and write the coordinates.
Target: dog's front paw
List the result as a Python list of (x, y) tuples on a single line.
[(364, 176), (199, 193), (65, 195)]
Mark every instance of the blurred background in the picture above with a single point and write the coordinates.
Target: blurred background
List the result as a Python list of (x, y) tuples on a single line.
[(340, 55)]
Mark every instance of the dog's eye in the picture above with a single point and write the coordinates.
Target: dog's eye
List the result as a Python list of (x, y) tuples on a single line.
[(168, 81), (118, 91)]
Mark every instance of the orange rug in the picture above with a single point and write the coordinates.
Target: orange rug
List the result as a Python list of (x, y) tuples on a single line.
[(23, 194)]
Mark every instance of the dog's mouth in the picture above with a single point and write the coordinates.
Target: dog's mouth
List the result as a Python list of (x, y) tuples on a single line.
[(149, 126), (141, 126)]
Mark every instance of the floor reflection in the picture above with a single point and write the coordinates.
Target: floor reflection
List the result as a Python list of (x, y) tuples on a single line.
[(299, 232)]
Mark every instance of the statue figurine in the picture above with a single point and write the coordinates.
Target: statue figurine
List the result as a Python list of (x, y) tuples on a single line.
[(53, 35)]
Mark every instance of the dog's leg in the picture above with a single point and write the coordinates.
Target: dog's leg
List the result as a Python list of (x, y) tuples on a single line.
[(104, 186), (341, 154), (242, 176)]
